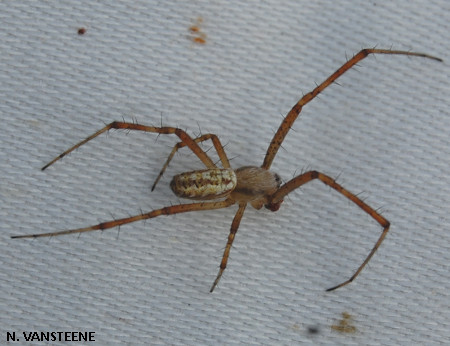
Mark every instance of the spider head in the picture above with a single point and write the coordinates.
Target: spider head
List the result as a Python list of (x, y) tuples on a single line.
[(271, 205)]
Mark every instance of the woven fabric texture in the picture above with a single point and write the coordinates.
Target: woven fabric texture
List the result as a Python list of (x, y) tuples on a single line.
[(383, 131)]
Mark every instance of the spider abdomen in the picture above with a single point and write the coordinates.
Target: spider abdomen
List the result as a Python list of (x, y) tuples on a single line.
[(204, 184)]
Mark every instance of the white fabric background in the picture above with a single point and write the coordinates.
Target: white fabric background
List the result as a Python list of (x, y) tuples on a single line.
[(384, 131)]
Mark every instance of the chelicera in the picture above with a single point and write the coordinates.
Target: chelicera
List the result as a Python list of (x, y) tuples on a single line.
[(217, 188)]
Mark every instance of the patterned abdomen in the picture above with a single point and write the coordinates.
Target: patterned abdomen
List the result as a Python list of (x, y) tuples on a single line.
[(204, 184)]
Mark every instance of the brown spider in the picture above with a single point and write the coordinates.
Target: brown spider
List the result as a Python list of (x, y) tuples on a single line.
[(255, 185)]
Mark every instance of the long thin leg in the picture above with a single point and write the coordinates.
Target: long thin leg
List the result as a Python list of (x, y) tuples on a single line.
[(185, 138), (217, 145), (175, 209), (226, 253), (295, 111), (306, 177)]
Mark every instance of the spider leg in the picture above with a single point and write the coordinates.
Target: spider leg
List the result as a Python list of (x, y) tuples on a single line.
[(306, 177), (217, 145), (226, 253), (175, 209), (295, 111), (185, 138)]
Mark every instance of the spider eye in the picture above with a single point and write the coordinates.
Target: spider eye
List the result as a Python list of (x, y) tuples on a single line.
[(278, 180)]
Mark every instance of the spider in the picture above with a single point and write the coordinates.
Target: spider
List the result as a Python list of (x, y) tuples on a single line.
[(217, 188)]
